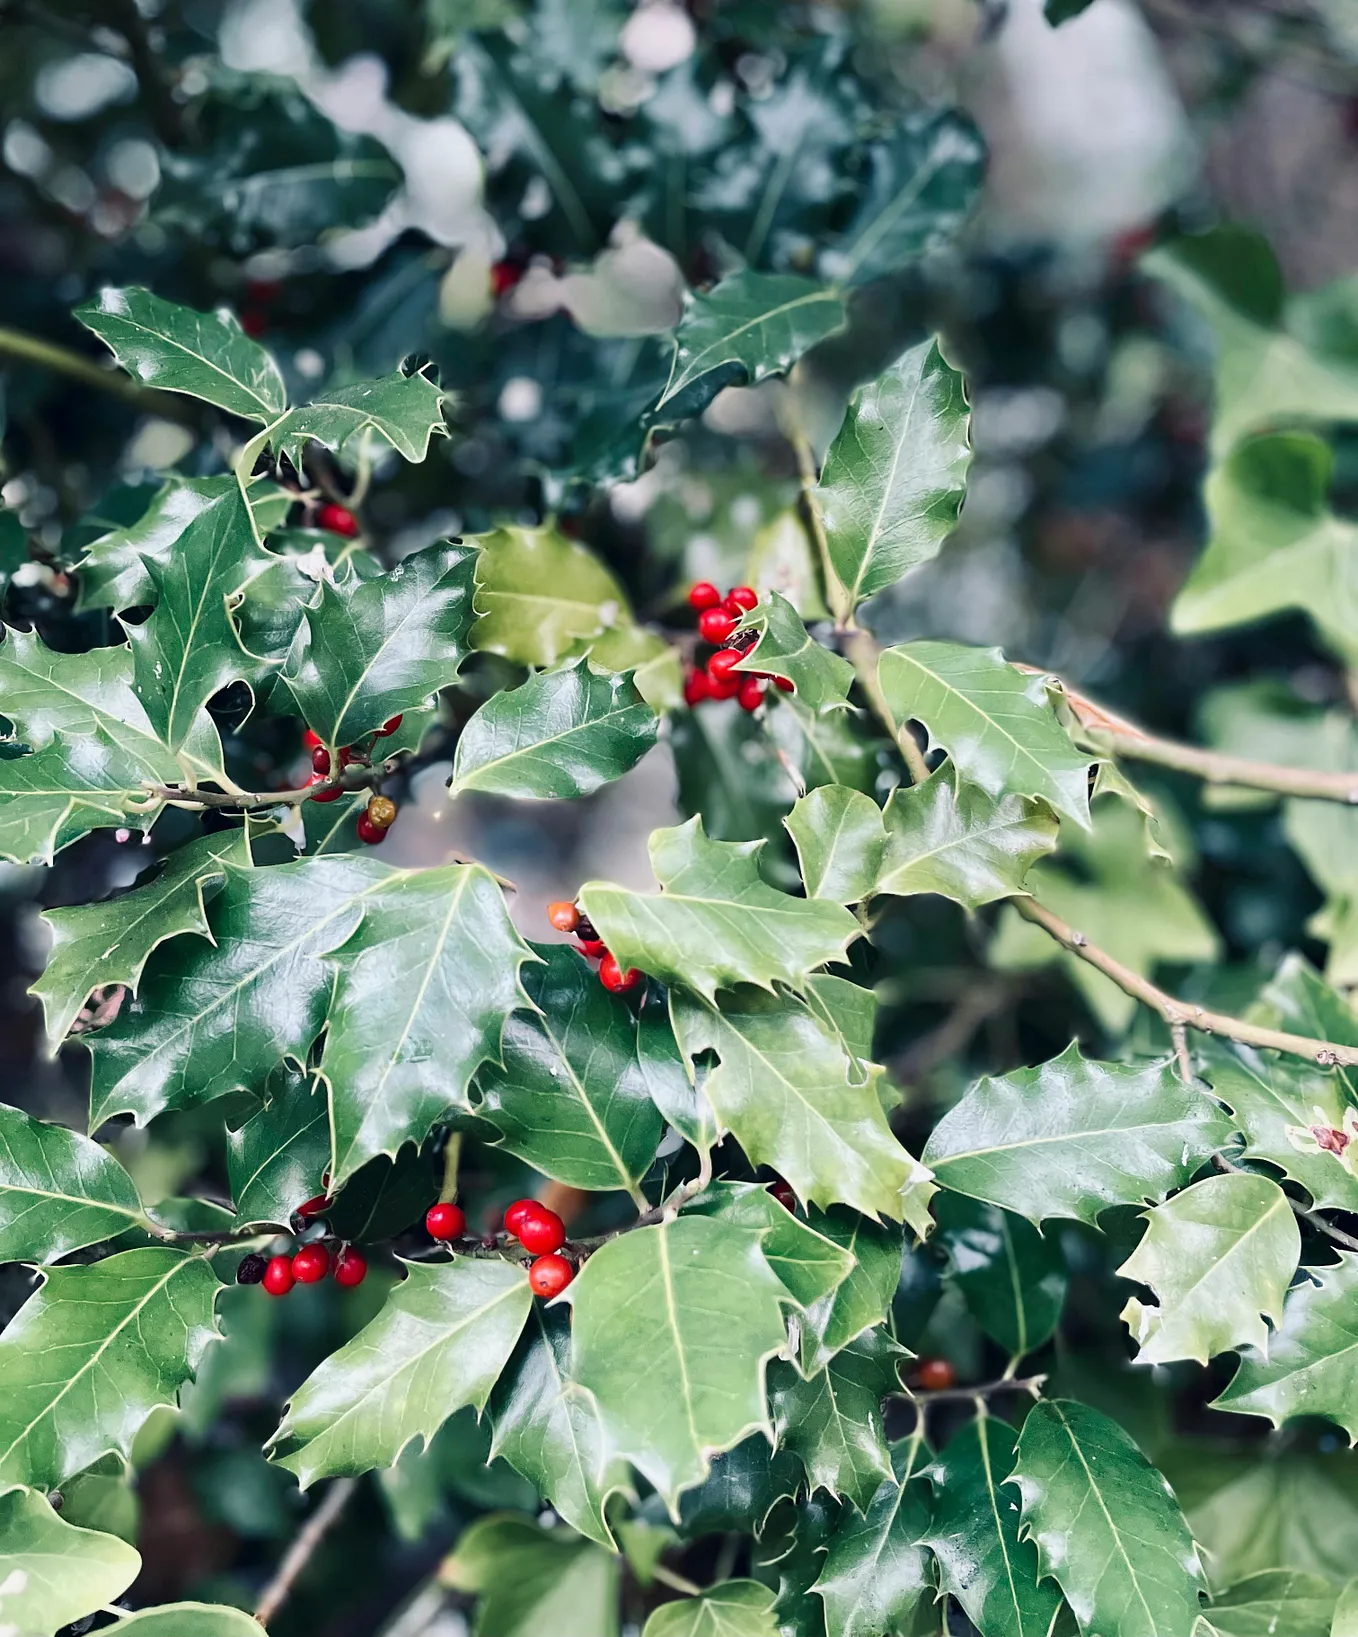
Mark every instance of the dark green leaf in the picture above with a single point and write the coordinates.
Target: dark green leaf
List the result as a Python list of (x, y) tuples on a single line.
[(532, 1580), (1012, 1279), (275, 1161), (68, 788), (949, 837), (400, 412), (735, 1606), (740, 1490), (810, 1264), (58, 1191), (864, 1297), (386, 1196), (1276, 1601)]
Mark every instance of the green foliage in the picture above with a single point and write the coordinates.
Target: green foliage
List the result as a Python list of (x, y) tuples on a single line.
[(54, 1575)]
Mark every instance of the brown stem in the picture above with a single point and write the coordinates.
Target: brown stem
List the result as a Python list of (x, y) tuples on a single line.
[(835, 597), (354, 777), (300, 1553), (987, 1389), (863, 652), (1182, 1013), (1317, 1221)]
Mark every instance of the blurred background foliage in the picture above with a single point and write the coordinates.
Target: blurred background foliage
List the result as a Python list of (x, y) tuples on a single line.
[(519, 194)]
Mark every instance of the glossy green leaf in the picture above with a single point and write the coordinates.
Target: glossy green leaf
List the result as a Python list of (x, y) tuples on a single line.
[(795, 1100), (716, 922), (387, 1195), (810, 1264), (1345, 1621), (748, 327), (997, 723), (974, 1535), (741, 1489), (547, 1427), (440, 1341), (532, 1580), (110, 942), (833, 1420), (570, 1096), (538, 594), (840, 840), (1105, 1523), (1276, 1601), (400, 412), (877, 1577), (563, 733), (370, 653), (127, 1333), (65, 790), (1219, 1257), (1073, 1136), (821, 680), (423, 986), (861, 1300), (892, 485), (275, 1161), (1012, 1279), (949, 837), (176, 349), (665, 1074), (51, 1574), (734, 1608), (58, 1190), (708, 1306), (1312, 1357), (188, 1620)]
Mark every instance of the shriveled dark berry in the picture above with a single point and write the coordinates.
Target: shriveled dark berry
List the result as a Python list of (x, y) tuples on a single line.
[(252, 1268)]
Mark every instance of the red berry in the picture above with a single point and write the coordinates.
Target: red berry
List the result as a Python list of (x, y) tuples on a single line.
[(727, 688), (935, 1375), (696, 688), (311, 741), (390, 725), (314, 1207), (320, 759), (373, 834), (311, 1264), (592, 948), (346, 755), (751, 693), (722, 663), (715, 625), (550, 1275), (563, 915), (614, 979), (337, 520), (782, 1192), (253, 322), (703, 594), (504, 275), (744, 597), (784, 683), (514, 1215), (445, 1220), (278, 1280), (540, 1230), (324, 795), (351, 1268)]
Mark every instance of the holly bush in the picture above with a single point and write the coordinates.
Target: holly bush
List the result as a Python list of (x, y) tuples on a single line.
[(842, 1233)]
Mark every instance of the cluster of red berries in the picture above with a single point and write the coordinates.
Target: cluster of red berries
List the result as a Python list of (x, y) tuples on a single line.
[(539, 1230), (718, 618), (308, 1265), (380, 814), (566, 917)]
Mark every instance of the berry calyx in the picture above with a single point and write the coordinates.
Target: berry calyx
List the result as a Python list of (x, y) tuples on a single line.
[(592, 948), (278, 1276), (311, 1264), (935, 1375), (722, 663), (550, 1275), (373, 834), (514, 1214), (314, 1206), (563, 915), (743, 596), (540, 1230), (312, 741), (324, 795), (696, 688), (337, 520), (390, 725), (703, 594), (782, 1192), (351, 1268), (252, 1269), (382, 812), (445, 1220), (715, 625), (320, 759), (615, 979), (751, 695)]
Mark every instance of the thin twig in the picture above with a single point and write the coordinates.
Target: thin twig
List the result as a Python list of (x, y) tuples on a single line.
[(835, 597), (987, 1389), (300, 1553), (32, 349), (676, 1582), (1318, 1222), (862, 651), (1185, 1013), (1178, 1033), (354, 777)]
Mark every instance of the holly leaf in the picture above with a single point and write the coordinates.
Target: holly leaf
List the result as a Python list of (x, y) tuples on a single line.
[(560, 734), (892, 485), (748, 327), (950, 837), (877, 1577), (861, 1300), (275, 1161), (1012, 1280), (569, 1095), (187, 1620), (129, 1332), (810, 1264), (53, 1574), (400, 412), (974, 1535), (65, 790), (833, 1420), (997, 723), (1312, 1362), (740, 1490), (1219, 1257), (672, 1328), (821, 680), (796, 1100), (366, 654), (548, 1428), (174, 348), (665, 1074), (734, 1606), (58, 1191), (530, 1579), (423, 986), (94, 945), (840, 840), (1073, 1136), (1105, 1523), (716, 922), (439, 1342), (1277, 1600), (538, 594)]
